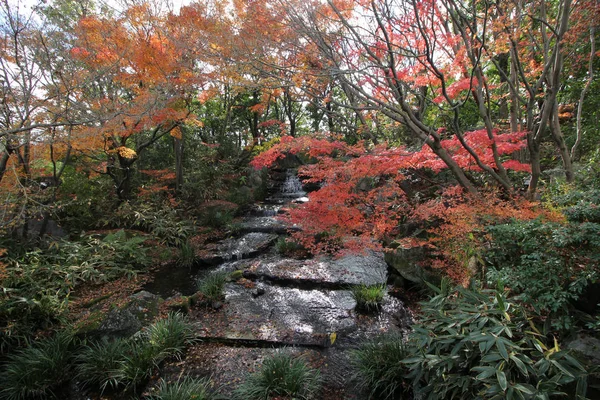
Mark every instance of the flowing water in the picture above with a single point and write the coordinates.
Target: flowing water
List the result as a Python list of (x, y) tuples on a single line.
[(283, 302)]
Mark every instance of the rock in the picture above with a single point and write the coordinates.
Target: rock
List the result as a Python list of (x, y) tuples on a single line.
[(281, 315), (248, 245), (263, 224), (179, 304), (258, 292), (289, 161), (587, 347), (406, 262), (140, 310), (356, 269)]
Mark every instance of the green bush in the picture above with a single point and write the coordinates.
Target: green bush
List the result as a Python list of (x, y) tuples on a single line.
[(548, 264), (183, 389), (368, 298), (379, 369), (480, 344), (162, 221), (217, 214), (98, 361), (288, 247), (37, 370), (39, 282), (140, 360), (281, 376), (211, 287), (187, 255), (170, 336)]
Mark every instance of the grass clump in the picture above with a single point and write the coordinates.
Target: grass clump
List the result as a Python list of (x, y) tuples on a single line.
[(171, 335), (289, 247), (98, 361), (39, 369), (379, 369), (138, 363), (211, 287), (184, 389), (368, 298), (281, 376)]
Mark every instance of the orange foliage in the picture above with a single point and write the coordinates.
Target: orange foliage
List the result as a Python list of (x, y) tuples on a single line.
[(362, 198)]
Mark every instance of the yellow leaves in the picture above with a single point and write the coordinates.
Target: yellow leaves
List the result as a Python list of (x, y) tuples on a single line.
[(176, 133), (125, 152), (332, 337), (194, 122)]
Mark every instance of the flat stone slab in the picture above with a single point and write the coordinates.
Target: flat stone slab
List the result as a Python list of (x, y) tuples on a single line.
[(357, 269), (265, 313), (246, 246), (263, 224)]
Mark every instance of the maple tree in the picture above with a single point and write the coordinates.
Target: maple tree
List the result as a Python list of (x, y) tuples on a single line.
[(366, 193)]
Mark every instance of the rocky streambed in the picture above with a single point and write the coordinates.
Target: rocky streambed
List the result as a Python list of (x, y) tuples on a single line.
[(277, 303)]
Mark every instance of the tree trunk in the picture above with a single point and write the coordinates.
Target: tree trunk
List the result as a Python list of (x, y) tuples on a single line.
[(178, 149), (562, 146)]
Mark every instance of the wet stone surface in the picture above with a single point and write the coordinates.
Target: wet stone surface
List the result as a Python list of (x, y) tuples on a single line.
[(358, 269), (263, 224), (248, 245), (281, 315)]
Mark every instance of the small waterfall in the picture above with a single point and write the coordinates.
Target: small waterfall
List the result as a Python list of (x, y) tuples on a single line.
[(292, 185)]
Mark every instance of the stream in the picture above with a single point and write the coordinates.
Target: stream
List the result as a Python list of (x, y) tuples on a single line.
[(302, 306)]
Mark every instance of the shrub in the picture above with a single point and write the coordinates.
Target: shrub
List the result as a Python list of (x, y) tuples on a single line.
[(170, 336), (39, 369), (138, 363), (281, 375), (161, 220), (480, 344), (187, 255), (368, 298), (289, 247), (379, 369), (183, 389), (38, 283), (549, 264), (98, 361), (211, 287)]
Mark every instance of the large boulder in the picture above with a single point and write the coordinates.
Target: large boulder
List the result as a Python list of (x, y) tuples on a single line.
[(140, 310), (408, 263)]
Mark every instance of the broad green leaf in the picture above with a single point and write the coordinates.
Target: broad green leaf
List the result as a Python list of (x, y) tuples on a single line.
[(501, 376)]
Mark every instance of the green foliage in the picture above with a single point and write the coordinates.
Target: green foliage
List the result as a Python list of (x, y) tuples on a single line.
[(184, 389), (161, 220), (187, 255), (138, 363), (170, 335), (39, 282), (480, 344), (368, 298), (217, 214), (83, 201), (379, 369), (37, 370), (211, 287), (289, 247), (281, 376), (98, 361), (549, 264)]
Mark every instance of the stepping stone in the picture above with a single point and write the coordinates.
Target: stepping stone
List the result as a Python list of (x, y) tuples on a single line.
[(263, 224), (268, 313), (246, 246), (356, 269)]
